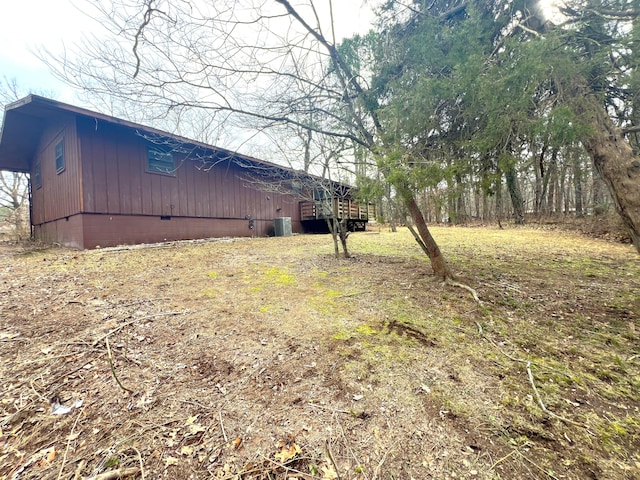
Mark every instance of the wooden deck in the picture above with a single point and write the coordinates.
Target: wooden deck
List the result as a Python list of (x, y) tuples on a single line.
[(340, 208)]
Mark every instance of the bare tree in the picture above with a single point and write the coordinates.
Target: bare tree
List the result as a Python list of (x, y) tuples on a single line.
[(14, 196), (323, 197), (14, 186)]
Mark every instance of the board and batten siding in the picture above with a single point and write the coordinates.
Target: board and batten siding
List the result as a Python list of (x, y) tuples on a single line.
[(116, 182), (59, 195)]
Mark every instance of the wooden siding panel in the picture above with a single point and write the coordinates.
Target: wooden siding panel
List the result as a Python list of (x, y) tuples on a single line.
[(166, 200), (184, 181), (155, 192), (125, 161), (87, 149), (174, 194), (59, 195), (136, 176), (112, 178), (217, 198), (146, 184), (99, 160), (201, 185), (210, 206), (220, 193), (230, 193), (245, 202), (234, 194), (117, 183)]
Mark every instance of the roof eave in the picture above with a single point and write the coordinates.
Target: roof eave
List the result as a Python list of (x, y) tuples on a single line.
[(16, 146)]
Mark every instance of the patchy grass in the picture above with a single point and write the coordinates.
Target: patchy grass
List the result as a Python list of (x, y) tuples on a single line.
[(268, 358)]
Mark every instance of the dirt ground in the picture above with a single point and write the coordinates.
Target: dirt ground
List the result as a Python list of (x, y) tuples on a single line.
[(270, 359)]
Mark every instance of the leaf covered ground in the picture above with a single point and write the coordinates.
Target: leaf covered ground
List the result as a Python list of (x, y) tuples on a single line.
[(269, 359)]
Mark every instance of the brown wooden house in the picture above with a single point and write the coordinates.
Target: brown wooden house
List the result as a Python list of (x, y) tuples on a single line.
[(97, 180)]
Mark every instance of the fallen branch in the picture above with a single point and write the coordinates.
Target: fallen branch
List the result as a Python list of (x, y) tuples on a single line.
[(224, 434), (330, 455), (541, 403), (531, 380), (113, 370), (380, 463), (118, 473), (520, 360), (69, 439), (81, 466), (285, 466), (498, 462), (140, 461), (330, 409)]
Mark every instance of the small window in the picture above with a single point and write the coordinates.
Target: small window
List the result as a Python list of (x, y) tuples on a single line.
[(296, 187), (159, 161), (321, 195), (37, 176), (60, 157)]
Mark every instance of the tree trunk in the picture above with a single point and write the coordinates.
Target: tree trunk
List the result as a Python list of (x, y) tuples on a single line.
[(485, 207), (516, 195), (344, 234), (549, 188), (438, 263), (498, 186), (577, 184), (331, 223), (540, 187), (614, 160), (451, 202), (565, 190), (461, 211)]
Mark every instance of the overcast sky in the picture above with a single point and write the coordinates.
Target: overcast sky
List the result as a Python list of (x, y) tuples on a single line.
[(26, 25)]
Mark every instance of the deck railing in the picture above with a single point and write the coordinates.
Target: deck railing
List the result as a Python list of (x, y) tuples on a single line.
[(339, 207)]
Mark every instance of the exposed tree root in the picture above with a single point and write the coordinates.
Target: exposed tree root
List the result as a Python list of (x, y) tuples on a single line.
[(451, 282)]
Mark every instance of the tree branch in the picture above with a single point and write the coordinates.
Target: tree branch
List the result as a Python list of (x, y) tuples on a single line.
[(145, 22)]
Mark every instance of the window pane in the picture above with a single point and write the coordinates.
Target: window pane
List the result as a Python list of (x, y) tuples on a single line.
[(37, 177), (159, 161), (60, 157)]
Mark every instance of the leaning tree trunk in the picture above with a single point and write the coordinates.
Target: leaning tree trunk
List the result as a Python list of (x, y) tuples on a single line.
[(438, 263), (614, 160)]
